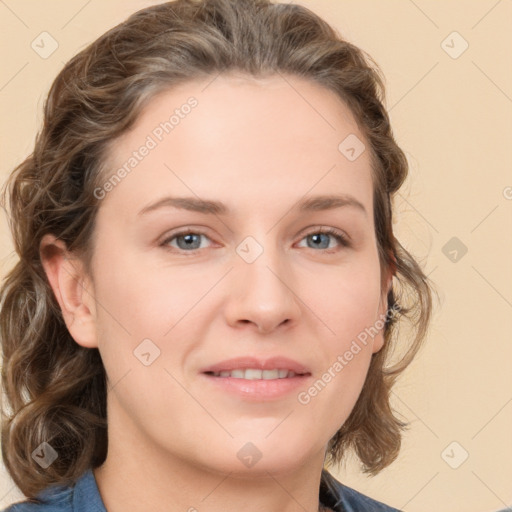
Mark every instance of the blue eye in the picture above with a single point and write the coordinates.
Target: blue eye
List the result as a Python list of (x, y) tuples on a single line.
[(320, 237), (186, 240)]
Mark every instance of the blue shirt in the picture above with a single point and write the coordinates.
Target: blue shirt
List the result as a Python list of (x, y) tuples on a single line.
[(84, 496)]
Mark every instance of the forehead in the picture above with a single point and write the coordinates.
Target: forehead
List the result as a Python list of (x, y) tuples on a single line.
[(241, 139)]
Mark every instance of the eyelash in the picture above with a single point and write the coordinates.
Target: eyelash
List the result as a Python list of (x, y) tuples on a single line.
[(340, 237)]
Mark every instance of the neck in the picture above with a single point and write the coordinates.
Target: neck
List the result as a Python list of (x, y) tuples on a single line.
[(139, 476), (125, 487)]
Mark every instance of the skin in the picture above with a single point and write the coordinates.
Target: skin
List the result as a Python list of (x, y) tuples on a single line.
[(258, 147)]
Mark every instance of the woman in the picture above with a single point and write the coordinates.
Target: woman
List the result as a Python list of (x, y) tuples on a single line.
[(209, 288)]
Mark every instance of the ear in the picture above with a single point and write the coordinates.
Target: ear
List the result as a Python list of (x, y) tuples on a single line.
[(72, 288), (387, 283)]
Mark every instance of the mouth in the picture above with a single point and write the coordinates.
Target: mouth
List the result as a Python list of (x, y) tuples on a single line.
[(253, 368), (256, 374), (255, 379)]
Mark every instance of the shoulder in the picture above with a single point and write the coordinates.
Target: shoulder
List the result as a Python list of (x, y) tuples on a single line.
[(345, 499), (55, 499), (81, 497), (355, 502)]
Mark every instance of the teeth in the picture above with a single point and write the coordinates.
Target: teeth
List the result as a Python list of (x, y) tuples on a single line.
[(256, 374), (251, 374), (270, 374)]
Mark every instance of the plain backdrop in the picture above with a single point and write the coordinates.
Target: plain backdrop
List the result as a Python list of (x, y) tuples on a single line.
[(449, 94)]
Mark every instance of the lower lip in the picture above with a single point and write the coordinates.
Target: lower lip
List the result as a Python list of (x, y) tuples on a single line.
[(259, 389)]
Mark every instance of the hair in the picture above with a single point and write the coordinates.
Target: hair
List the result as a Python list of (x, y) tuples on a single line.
[(54, 389)]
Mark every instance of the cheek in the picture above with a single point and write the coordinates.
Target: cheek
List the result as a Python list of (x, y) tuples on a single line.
[(347, 353), (143, 313), (348, 305), (143, 302), (348, 301)]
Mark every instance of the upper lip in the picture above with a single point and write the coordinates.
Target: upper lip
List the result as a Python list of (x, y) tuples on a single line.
[(243, 363)]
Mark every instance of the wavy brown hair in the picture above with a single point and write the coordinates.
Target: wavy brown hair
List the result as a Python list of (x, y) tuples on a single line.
[(54, 389)]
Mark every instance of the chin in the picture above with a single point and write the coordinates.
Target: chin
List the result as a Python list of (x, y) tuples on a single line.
[(246, 458)]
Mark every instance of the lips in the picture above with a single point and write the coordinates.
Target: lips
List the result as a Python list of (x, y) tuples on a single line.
[(250, 368), (251, 379), (255, 374)]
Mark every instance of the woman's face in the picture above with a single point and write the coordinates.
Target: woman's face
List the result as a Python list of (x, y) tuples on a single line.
[(212, 281)]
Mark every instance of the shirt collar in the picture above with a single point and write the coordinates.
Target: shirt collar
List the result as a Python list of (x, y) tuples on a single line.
[(87, 498), (330, 492)]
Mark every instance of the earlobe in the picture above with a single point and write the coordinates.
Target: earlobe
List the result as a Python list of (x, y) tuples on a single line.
[(72, 289)]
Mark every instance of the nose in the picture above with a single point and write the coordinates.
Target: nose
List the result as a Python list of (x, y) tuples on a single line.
[(263, 294)]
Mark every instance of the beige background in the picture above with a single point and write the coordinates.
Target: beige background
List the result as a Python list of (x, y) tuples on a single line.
[(453, 118)]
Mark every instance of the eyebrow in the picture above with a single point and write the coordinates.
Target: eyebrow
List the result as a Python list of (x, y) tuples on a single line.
[(315, 203)]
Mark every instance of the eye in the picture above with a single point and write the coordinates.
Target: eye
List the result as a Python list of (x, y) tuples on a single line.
[(320, 238), (190, 241), (187, 241)]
